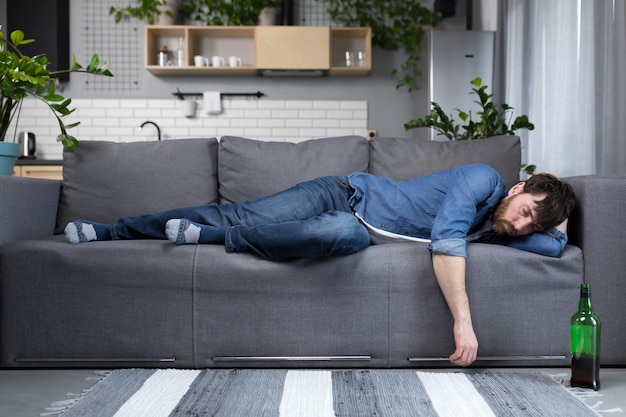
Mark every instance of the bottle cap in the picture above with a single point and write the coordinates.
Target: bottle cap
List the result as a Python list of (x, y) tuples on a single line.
[(584, 289)]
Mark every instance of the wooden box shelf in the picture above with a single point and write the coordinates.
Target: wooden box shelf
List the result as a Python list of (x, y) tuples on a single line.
[(260, 48)]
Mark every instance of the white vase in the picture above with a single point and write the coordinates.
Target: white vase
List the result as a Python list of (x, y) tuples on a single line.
[(8, 154), (163, 18), (270, 16)]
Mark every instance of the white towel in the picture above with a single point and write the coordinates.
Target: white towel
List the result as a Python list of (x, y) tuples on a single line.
[(212, 102)]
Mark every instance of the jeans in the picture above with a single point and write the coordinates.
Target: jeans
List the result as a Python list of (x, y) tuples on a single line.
[(313, 218)]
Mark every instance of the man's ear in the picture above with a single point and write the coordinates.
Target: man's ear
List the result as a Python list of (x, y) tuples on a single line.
[(517, 188)]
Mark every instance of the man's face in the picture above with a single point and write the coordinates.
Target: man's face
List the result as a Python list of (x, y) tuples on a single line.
[(516, 214)]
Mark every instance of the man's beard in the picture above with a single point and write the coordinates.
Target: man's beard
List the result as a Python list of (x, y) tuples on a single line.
[(498, 222)]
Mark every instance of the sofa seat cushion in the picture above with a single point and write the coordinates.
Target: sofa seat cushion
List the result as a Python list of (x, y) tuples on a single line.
[(324, 307), (520, 303), (103, 181), (249, 169), (402, 159), (113, 303)]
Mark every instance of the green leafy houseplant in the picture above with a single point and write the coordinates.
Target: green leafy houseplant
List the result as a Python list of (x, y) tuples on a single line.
[(494, 120), (22, 76), (149, 10), (226, 12), (395, 24)]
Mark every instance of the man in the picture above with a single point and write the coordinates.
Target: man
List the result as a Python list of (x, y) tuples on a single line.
[(340, 215)]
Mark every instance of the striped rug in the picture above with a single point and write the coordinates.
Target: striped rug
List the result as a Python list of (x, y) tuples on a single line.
[(325, 393)]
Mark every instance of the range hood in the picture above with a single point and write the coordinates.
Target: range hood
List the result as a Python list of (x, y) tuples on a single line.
[(292, 72)]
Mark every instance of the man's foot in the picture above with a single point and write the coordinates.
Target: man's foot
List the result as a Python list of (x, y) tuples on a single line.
[(80, 231), (182, 232), (185, 232)]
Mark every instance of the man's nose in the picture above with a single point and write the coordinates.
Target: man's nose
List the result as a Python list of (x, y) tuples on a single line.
[(522, 224)]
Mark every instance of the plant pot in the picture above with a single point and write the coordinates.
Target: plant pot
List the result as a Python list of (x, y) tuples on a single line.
[(8, 154), (270, 16), (164, 19)]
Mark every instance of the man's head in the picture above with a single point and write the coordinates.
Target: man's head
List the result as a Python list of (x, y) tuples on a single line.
[(541, 202)]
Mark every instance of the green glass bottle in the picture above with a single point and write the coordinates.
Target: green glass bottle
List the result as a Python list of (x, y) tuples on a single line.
[(585, 340)]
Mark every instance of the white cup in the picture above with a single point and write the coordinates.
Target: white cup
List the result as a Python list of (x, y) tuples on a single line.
[(217, 61), (234, 61), (189, 108), (361, 59), (349, 59), (199, 61)]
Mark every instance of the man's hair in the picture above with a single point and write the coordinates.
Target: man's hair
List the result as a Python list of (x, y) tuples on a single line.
[(559, 202)]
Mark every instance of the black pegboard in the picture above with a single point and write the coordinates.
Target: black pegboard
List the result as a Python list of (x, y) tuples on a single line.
[(120, 42), (313, 13)]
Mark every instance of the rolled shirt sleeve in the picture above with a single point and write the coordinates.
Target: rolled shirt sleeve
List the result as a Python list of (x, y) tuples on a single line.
[(473, 193)]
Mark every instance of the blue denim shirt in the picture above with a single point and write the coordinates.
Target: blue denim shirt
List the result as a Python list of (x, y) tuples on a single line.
[(447, 207)]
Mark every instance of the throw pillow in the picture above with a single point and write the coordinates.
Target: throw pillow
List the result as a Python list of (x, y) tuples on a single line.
[(402, 158), (103, 181), (250, 169)]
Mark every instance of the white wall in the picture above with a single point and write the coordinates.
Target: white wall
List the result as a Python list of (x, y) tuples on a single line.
[(118, 120)]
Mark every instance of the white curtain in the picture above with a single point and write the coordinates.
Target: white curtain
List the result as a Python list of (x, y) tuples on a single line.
[(563, 63)]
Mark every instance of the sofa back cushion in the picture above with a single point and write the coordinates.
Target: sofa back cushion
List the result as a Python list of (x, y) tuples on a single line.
[(401, 159), (103, 181), (250, 169)]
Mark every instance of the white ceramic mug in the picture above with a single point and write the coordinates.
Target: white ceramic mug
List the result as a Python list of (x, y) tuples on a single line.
[(361, 59), (234, 61), (217, 61), (349, 59), (199, 61), (189, 108)]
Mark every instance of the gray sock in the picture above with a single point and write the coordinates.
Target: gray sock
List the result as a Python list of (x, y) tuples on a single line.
[(80, 231), (183, 231)]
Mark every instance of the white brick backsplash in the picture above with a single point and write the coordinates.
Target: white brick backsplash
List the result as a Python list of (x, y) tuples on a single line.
[(326, 123), (118, 120), (326, 105), (313, 114), (298, 104)]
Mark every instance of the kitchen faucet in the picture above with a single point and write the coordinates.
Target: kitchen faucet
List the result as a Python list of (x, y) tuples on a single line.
[(155, 125)]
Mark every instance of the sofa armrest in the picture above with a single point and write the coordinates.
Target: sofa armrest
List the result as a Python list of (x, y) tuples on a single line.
[(598, 219), (597, 226), (28, 207)]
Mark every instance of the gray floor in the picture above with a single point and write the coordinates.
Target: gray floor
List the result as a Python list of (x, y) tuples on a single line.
[(27, 393)]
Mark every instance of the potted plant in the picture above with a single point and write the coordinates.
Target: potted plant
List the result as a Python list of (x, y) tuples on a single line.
[(395, 24), (162, 12), (493, 120), (226, 12), (22, 76)]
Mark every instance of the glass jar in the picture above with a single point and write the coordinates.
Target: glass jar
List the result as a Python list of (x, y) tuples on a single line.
[(163, 57)]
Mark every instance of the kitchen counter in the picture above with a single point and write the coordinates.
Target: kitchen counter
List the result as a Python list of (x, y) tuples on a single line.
[(35, 161)]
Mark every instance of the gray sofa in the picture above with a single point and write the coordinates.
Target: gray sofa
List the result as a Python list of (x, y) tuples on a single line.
[(148, 303)]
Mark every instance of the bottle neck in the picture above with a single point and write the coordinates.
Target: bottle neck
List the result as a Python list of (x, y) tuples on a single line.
[(585, 301)]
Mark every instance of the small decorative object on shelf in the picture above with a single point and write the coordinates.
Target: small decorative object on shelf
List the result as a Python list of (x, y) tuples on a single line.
[(163, 57), (180, 52)]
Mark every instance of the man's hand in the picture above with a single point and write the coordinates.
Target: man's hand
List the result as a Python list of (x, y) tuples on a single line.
[(466, 344), (450, 273)]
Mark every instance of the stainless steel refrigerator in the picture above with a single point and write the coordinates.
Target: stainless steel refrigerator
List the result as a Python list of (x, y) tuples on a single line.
[(454, 58)]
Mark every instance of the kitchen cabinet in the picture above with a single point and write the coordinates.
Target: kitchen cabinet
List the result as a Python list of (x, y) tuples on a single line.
[(292, 47), (47, 171), (261, 48)]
